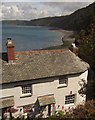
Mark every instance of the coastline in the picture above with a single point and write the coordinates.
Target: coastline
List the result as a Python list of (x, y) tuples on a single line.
[(64, 33), (67, 38)]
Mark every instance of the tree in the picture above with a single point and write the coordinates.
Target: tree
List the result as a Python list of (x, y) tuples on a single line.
[(86, 44)]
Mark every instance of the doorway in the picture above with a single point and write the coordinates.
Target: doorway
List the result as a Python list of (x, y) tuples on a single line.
[(49, 109)]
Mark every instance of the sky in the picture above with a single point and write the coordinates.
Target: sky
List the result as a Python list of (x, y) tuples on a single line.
[(33, 10)]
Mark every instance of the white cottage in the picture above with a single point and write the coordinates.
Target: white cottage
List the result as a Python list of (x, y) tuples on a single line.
[(41, 82)]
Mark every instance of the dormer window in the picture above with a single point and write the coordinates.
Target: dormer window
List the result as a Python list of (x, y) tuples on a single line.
[(63, 81)]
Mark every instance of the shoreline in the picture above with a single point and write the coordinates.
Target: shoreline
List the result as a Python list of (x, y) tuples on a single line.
[(66, 38), (65, 34)]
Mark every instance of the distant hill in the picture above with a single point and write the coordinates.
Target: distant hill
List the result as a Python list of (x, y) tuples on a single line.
[(80, 19), (14, 22)]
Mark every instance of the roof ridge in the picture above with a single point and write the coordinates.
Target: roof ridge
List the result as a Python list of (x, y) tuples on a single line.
[(34, 51)]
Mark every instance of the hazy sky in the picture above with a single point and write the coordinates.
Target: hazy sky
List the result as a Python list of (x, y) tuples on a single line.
[(33, 10)]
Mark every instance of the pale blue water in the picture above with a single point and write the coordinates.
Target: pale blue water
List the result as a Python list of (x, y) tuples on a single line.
[(29, 37)]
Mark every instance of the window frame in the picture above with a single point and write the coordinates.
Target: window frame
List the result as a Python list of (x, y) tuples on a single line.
[(71, 99), (24, 93), (63, 81)]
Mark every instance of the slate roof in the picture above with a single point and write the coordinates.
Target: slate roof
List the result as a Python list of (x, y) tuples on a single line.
[(6, 102), (46, 100), (31, 65)]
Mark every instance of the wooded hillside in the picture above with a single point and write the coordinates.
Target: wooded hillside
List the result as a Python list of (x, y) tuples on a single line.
[(80, 19)]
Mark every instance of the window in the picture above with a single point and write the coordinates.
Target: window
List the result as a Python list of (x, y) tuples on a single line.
[(63, 81), (26, 89), (70, 99)]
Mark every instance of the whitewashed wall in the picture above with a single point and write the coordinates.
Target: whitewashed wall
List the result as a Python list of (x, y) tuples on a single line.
[(45, 87)]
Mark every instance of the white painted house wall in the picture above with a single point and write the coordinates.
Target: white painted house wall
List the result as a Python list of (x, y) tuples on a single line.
[(51, 86)]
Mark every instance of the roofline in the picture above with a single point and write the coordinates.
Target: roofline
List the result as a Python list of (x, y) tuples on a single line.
[(44, 77), (34, 51)]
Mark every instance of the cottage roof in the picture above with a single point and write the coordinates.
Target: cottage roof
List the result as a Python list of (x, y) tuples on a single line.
[(31, 65), (46, 100)]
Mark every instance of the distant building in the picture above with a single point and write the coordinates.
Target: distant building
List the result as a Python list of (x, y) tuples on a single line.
[(41, 82)]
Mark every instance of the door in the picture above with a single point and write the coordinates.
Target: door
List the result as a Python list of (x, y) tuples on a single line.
[(49, 109)]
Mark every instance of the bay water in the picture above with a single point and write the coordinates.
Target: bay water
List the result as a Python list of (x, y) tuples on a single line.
[(30, 37)]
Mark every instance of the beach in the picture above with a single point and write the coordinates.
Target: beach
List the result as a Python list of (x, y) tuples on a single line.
[(66, 38), (66, 34)]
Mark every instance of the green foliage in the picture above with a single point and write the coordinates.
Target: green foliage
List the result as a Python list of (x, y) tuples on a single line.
[(86, 40), (80, 19), (82, 33), (86, 111), (83, 88), (86, 50), (60, 113), (86, 43)]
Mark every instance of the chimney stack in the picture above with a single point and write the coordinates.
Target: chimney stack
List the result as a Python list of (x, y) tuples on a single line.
[(10, 50), (74, 49)]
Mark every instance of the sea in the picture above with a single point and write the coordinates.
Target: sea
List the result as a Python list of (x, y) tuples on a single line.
[(30, 37)]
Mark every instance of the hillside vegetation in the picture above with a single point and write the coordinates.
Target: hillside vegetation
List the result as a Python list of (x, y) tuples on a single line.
[(80, 19)]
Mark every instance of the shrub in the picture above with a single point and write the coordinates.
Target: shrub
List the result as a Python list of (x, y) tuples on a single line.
[(86, 111)]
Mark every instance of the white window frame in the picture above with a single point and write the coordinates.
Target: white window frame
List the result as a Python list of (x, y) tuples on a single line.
[(70, 99), (63, 81), (27, 91)]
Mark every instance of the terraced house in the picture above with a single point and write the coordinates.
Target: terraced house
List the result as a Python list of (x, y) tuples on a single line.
[(41, 82)]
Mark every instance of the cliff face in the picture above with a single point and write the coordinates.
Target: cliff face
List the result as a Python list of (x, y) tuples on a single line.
[(80, 19)]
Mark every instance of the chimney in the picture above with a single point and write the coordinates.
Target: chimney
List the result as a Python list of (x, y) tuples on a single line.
[(74, 49), (10, 50)]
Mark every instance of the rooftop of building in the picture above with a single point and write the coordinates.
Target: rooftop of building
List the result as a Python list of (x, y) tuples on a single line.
[(36, 64)]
